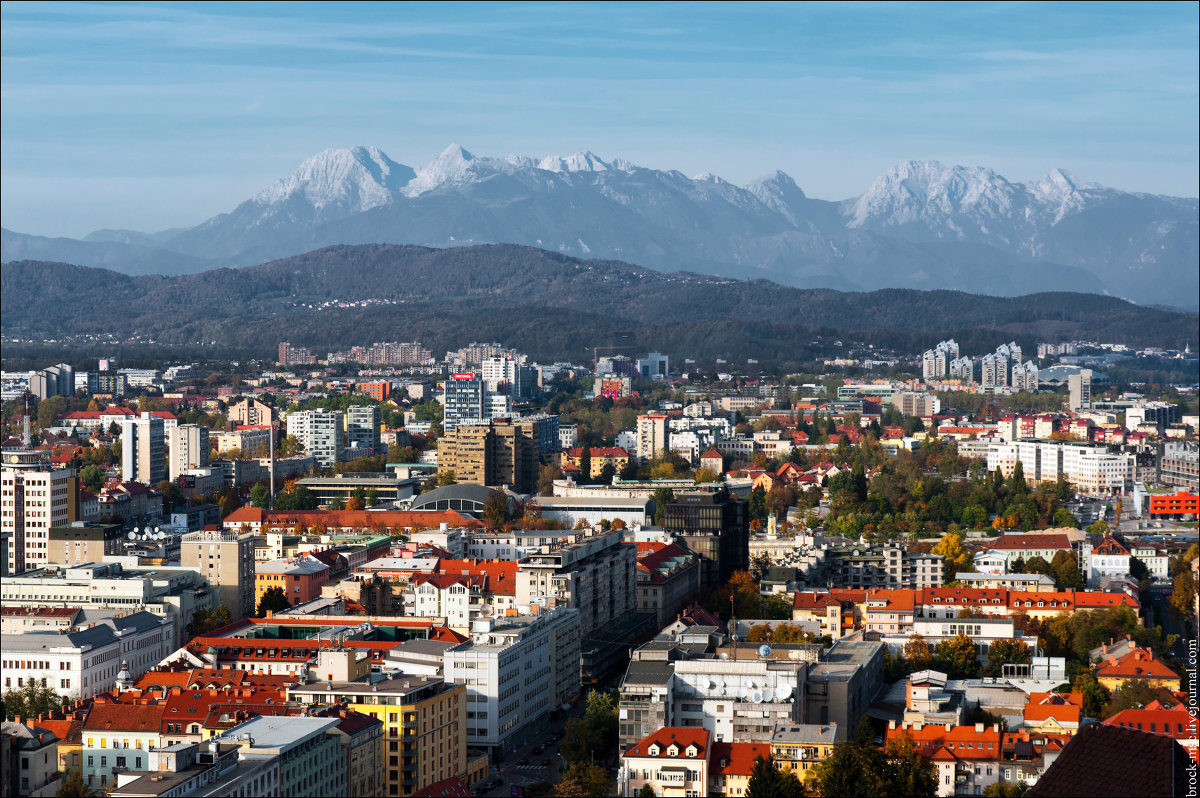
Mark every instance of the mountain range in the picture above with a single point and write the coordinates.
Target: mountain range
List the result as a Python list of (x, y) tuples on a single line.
[(549, 305), (922, 225)]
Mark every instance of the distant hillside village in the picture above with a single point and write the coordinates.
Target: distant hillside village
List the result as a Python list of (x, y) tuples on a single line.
[(382, 572)]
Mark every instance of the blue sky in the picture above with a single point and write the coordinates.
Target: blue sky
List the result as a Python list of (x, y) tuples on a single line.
[(151, 116)]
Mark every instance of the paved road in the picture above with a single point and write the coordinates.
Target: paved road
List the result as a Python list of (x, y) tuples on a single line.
[(512, 773)]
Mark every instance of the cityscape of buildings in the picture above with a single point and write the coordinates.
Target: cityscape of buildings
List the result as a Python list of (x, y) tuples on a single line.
[(416, 582)]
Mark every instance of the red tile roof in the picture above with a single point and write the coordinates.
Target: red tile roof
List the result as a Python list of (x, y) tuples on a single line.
[(1012, 542), (109, 716), (814, 601), (736, 759), (963, 742), (680, 736), (1062, 707), (501, 574), (1140, 663)]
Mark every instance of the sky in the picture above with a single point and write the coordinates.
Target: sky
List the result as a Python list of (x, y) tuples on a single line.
[(150, 116)]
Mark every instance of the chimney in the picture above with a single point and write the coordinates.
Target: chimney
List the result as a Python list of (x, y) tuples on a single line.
[(995, 727), (891, 724), (978, 727)]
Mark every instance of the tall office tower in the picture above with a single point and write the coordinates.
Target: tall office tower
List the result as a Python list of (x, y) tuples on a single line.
[(143, 450)]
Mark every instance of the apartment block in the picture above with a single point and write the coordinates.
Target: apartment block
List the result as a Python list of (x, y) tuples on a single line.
[(143, 450), (32, 501), (493, 454), (189, 448), (320, 432), (225, 560)]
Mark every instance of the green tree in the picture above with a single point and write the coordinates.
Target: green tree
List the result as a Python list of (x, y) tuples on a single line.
[(907, 772), (93, 477), (171, 497), (1095, 696), (1064, 518), (1066, 572), (595, 732), (858, 768), (273, 600), (260, 495), (446, 476), (647, 791), (1006, 789), (289, 446), (1005, 652), (30, 700), (585, 464), (768, 781), (956, 657), (205, 621), (584, 780), (758, 503), (1132, 694)]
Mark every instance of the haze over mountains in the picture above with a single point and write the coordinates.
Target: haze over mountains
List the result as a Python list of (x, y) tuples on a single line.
[(921, 225)]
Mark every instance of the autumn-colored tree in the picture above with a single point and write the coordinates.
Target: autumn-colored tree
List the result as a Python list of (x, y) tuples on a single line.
[(759, 633), (956, 657), (918, 653), (446, 477), (355, 504), (956, 557)]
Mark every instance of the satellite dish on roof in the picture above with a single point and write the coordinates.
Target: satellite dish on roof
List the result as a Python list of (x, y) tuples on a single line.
[(782, 692), (162, 535), (756, 697), (137, 529), (742, 692), (764, 651), (132, 536)]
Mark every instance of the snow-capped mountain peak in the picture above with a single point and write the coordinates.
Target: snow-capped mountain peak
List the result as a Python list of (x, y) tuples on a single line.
[(932, 193), (579, 162), (453, 166), (354, 180)]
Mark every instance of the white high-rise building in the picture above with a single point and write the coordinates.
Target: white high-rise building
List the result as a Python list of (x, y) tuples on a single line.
[(143, 450), (320, 432), (929, 365), (1025, 376), (189, 449), (651, 435), (962, 368), (31, 501), (1080, 388)]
